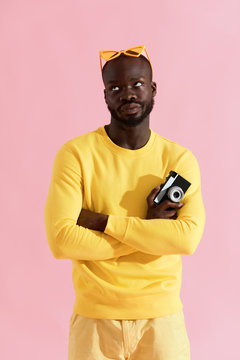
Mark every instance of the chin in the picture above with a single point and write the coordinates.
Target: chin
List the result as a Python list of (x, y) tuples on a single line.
[(133, 121), (129, 121)]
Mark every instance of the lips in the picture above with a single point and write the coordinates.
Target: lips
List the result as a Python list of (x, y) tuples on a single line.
[(130, 108)]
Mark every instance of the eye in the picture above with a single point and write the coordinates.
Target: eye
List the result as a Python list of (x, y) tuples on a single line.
[(138, 84), (115, 88)]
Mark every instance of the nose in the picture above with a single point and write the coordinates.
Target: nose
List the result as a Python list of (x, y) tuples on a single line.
[(128, 94)]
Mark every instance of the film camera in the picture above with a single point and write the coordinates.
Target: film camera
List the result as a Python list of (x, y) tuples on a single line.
[(172, 189)]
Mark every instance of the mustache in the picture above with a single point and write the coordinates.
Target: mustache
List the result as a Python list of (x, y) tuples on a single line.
[(130, 102)]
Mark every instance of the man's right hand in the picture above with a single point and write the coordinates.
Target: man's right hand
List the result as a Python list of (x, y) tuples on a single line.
[(161, 211)]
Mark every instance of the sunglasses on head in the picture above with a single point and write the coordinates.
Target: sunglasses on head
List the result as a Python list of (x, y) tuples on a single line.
[(136, 51)]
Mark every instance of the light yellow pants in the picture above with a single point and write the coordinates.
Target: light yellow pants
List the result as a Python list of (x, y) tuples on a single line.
[(163, 338)]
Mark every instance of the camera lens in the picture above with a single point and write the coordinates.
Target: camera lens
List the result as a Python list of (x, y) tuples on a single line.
[(175, 194)]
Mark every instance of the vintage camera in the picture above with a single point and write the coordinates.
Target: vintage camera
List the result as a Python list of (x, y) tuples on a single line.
[(172, 189)]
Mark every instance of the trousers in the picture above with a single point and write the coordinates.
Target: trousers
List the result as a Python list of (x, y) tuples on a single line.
[(163, 338)]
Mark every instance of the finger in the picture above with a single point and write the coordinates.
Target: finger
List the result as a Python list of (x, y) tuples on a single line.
[(152, 195), (171, 214), (169, 204)]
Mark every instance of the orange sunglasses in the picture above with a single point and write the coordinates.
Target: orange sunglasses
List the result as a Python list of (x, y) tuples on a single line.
[(136, 51)]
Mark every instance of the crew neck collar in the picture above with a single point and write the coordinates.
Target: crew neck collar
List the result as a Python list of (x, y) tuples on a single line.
[(123, 151)]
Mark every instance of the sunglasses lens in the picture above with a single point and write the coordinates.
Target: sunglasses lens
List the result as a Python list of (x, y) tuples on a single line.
[(135, 51), (131, 52), (108, 55), (112, 56)]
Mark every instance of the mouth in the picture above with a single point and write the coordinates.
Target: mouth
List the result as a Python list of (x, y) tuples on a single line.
[(131, 108)]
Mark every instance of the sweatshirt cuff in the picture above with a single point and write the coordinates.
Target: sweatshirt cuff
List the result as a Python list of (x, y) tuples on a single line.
[(117, 226)]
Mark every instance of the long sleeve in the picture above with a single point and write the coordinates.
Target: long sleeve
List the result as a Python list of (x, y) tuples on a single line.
[(66, 239), (161, 236)]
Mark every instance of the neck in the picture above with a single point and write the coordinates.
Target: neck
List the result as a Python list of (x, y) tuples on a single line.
[(132, 138)]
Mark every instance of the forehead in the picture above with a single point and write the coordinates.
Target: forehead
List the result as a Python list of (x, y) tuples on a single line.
[(125, 68)]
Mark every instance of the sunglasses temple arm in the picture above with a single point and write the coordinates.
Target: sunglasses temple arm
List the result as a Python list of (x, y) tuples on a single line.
[(148, 59), (100, 61)]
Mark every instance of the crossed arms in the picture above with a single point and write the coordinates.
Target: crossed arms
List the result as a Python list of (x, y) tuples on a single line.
[(78, 234)]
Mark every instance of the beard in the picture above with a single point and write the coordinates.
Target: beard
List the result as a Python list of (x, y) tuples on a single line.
[(131, 120)]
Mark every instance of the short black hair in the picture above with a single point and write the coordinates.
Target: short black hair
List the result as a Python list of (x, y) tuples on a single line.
[(123, 55)]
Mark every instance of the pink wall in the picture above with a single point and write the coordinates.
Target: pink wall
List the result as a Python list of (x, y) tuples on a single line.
[(51, 91)]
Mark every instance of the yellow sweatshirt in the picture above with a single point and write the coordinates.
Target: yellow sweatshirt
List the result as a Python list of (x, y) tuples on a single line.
[(133, 269)]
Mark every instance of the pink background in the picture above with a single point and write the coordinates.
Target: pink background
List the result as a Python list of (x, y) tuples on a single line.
[(51, 91)]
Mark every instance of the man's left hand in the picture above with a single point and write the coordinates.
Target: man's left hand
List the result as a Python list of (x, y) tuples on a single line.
[(92, 220)]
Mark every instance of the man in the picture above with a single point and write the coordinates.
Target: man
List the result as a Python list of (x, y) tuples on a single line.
[(125, 250)]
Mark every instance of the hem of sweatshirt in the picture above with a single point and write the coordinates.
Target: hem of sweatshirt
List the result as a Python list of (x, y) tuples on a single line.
[(146, 307)]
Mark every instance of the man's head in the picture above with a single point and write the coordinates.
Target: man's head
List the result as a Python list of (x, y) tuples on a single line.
[(129, 89)]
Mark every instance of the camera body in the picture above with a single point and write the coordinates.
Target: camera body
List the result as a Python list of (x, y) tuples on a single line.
[(172, 189)]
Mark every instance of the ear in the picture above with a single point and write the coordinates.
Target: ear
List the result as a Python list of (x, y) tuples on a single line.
[(154, 88)]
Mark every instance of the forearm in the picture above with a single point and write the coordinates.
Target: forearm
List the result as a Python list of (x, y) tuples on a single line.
[(152, 236), (174, 231), (70, 241), (157, 236)]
